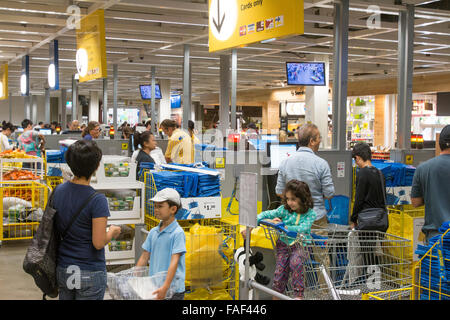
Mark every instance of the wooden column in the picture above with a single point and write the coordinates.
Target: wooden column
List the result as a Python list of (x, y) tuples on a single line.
[(379, 123)]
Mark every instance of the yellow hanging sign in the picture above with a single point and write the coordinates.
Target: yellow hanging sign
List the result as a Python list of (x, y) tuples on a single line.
[(91, 47), (220, 163), (409, 159), (4, 82), (237, 23)]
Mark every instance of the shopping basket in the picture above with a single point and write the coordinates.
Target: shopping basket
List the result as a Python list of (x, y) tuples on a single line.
[(345, 264), (432, 272), (137, 284), (22, 205)]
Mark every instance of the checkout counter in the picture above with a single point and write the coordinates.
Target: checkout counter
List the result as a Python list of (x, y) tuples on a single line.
[(108, 146), (232, 163)]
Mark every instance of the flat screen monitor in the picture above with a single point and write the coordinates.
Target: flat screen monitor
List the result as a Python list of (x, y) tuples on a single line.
[(305, 73), (45, 132), (146, 91), (443, 104), (175, 101), (279, 152), (269, 137)]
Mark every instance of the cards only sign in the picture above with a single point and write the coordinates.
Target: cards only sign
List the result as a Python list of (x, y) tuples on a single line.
[(237, 23)]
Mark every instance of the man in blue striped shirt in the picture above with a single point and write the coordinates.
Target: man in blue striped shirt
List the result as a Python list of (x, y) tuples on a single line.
[(306, 166)]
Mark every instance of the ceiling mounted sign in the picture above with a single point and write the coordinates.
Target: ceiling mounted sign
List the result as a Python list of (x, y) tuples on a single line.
[(53, 66), (237, 23), (91, 47), (4, 82), (25, 76)]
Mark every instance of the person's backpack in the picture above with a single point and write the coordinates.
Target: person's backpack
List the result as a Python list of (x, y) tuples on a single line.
[(40, 259)]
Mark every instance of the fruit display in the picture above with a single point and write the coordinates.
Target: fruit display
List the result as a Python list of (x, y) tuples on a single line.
[(20, 175), (117, 169), (16, 154), (24, 194)]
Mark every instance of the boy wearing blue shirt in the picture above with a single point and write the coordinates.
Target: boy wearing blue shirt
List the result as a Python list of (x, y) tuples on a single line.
[(166, 243)]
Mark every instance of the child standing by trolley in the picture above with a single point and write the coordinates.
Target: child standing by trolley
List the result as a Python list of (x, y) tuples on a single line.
[(297, 215), (165, 246)]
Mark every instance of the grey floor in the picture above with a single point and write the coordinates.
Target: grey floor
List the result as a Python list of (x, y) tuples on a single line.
[(15, 284)]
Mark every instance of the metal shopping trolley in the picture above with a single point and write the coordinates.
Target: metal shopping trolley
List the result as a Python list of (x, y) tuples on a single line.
[(345, 264)]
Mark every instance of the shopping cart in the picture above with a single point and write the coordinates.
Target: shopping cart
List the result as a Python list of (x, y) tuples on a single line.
[(346, 264), (137, 284)]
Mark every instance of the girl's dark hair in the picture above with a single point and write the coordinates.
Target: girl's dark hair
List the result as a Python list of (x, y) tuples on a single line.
[(301, 191), (140, 138), (8, 125), (83, 158), (25, 123), (191, 125), (362, 149)]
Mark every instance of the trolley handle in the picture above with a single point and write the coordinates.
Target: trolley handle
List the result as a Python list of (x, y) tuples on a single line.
[(280, 227)]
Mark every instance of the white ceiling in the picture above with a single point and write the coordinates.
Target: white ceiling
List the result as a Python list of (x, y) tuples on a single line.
[(155, 30)]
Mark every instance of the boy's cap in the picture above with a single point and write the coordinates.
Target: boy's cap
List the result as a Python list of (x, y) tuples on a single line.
[(167, 194), (444, 137)]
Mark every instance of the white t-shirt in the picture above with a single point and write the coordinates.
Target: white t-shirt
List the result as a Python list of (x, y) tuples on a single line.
[(156, 154), (4, 143)]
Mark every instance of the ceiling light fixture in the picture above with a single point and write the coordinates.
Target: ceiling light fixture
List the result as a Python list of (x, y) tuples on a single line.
[(23, 84), (51, 75)]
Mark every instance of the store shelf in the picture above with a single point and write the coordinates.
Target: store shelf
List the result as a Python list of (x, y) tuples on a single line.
[(118, 186), (120, 257), (128, 214)]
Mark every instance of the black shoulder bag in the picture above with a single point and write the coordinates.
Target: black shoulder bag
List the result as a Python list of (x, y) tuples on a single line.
[(41, 257), (374, 219)]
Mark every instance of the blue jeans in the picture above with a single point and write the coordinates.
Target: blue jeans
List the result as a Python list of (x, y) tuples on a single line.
[(88, 285)]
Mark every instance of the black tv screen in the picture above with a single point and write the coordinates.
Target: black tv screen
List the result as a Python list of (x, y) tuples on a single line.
[(443, 104), (146, 91), (305, 73)]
